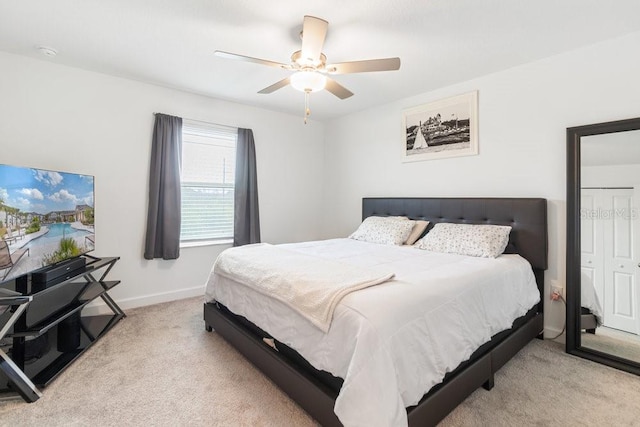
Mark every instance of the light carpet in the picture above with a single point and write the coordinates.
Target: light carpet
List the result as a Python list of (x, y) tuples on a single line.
[(159, 367), (613, 342)]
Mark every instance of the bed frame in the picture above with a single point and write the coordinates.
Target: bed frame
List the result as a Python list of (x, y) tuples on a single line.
[(311, 389), (588, 320)]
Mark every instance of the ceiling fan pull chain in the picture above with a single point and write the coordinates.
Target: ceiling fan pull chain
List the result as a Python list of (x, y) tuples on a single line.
[(307, 111)]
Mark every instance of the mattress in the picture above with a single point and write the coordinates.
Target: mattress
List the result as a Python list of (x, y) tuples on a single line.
[(391, 343), (589, 300)]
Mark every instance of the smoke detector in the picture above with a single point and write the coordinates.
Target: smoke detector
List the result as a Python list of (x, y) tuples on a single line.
[(47, 51)]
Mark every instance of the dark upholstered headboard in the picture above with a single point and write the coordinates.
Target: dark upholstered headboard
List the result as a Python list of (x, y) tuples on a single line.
[(526, 216)]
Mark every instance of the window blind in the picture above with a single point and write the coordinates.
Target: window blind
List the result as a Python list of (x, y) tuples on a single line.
[(207, 182)]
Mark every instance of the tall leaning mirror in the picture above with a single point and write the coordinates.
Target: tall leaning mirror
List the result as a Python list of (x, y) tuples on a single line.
[(603, 243)]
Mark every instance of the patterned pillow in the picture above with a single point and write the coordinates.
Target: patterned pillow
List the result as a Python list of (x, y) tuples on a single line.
[(384, 230), (481, 240)]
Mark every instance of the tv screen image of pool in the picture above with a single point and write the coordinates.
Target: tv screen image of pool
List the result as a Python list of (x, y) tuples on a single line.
[(46, 217)]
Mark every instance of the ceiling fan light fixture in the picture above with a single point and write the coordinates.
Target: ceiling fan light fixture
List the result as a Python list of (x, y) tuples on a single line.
[(308, 81)]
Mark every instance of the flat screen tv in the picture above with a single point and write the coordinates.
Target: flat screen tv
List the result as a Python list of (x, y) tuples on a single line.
[(46, 217)]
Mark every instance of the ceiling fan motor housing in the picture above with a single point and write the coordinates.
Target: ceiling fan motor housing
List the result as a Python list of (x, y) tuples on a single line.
[(317, 64)]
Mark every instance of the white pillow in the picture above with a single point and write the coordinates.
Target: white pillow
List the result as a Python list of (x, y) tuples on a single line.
[(384, 230), (481, 240), (417, 231)]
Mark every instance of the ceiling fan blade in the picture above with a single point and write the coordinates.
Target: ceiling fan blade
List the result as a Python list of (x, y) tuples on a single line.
[(237, 57), (385, 64), (279, 85), (314, 31), (337, 89)]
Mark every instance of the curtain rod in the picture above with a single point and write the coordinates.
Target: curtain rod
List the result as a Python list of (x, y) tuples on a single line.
[(206, 123)]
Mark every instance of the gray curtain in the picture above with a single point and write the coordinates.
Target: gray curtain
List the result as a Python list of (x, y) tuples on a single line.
[(163, 217), (246, 227)]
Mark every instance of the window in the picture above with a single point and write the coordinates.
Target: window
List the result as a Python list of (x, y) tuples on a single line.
[(207, 182)]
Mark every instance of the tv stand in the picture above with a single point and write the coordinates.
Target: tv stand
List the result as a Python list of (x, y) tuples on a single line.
[(46, 329)]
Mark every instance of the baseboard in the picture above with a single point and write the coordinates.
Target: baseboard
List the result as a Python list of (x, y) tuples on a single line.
[(100, 307)]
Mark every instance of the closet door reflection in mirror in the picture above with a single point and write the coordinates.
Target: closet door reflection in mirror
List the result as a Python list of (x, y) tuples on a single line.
[(610, 243)]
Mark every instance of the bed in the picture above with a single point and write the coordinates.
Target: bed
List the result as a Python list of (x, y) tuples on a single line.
[(317, 390), (590, 308)]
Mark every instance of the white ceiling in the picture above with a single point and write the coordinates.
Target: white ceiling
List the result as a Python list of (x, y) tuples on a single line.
[(440, 42), (620, 148)]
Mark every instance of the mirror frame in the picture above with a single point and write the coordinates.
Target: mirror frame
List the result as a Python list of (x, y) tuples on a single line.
[(573, 345)]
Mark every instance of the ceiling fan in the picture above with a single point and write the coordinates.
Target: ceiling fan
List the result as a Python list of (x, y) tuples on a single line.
[(310, 65)]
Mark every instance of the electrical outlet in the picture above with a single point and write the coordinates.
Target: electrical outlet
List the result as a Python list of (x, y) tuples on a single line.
[(556, 292)]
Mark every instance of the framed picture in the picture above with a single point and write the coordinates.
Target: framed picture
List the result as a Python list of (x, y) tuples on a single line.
[(440, 129)]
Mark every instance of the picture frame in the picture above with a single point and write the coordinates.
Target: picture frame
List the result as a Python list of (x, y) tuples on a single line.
[(449, 128)]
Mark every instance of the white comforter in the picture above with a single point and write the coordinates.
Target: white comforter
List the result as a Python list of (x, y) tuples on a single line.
[(310, 285), (589, 299), (393, 342)]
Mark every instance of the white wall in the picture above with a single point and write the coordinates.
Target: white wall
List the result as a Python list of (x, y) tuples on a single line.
[(523, 116), (610, 176), (62, 118)]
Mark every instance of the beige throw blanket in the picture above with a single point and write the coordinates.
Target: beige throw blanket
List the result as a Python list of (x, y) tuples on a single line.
[(310, 285)]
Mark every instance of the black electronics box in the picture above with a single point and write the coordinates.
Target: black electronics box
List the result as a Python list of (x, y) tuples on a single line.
[(57, 271)]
